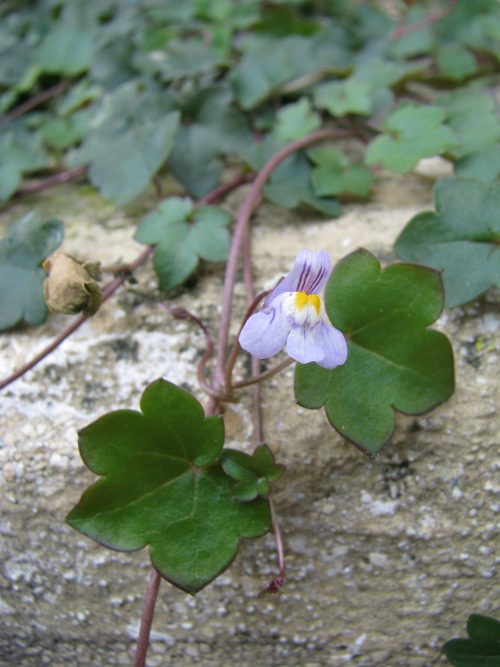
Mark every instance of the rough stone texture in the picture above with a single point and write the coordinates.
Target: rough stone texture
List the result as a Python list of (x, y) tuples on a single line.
[(386, 558)]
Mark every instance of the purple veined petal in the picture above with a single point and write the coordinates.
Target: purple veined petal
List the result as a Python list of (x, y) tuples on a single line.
[(309, 274), (332, 343), (265, 332), (302, 347)]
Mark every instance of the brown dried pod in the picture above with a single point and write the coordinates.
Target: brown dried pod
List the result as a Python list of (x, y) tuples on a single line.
[(71, 287)]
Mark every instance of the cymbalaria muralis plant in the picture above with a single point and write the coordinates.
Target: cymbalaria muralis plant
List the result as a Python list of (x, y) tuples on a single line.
[(301, 102)]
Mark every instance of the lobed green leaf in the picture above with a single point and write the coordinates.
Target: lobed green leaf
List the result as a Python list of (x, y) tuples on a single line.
[(394, 361), (183, 235), (461, 239), (412, 132), (29, 241), (162, 485)]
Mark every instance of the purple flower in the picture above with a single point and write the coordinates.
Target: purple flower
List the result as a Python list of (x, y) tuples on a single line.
[(294, 315)]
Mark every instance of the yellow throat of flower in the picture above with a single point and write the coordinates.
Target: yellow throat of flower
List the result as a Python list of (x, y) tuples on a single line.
[(302, 300)]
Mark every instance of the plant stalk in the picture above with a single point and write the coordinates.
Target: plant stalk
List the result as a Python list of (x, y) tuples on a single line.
[(147, 618)]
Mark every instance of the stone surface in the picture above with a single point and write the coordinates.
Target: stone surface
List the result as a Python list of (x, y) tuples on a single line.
[(386, 558)]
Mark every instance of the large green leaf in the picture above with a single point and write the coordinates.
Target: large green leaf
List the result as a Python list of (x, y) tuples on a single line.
[(182, 235), (412, 132), (394, 362), (483, 647), (20, 153), (162, 485), (462, 239), (29, 241), (133, 136)]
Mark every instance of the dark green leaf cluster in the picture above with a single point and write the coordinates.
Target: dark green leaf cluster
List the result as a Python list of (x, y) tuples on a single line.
[(147, 88), (29, 241), (164, 484), (482, 649)]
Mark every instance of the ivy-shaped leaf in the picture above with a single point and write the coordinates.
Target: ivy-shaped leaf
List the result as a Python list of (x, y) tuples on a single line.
[(296, 120), (289, 186), (257, 75), (343, 97), (29, 241), (183, 235), (65, 50), (186, 58), (68, 131), (483, 647), (482, 166), (20, 153), (412, 133), (211, 127), (473, 117), (163, 486), (462, 239), (133, 136), (455, 61), (335, 175), (252, 472), (394, 362)]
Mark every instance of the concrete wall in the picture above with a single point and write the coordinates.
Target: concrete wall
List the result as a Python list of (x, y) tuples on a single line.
[(386, 558)]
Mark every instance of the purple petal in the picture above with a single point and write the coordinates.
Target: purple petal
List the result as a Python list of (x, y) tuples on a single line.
[(265, 332), (332, 343), (309, 274)]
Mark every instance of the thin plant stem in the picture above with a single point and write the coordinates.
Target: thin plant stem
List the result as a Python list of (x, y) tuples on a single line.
[(236, 347), (275, 586), (147, 618), (263, 376), (110, 289), (35, 101), (257, 432), (242, 221), (433, 17), (184, 314), (107, 292), (50, 181)]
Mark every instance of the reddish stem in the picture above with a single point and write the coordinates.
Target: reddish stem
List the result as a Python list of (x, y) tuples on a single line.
[(275, 586), (242, 220), (147, 618), (35, 101), (107, 292), (112, 287), (433, 17), (50, 181)]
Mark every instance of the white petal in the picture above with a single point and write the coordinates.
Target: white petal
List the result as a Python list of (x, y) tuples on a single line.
[(332, 343), (302, 347)]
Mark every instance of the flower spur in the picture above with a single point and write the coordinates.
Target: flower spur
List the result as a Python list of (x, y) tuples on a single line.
[(294, 315)]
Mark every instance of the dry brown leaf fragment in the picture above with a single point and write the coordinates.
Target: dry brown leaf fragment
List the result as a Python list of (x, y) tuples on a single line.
[(71, 287)]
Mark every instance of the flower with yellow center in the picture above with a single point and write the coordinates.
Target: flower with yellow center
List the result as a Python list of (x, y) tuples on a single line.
[(294, 315)]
